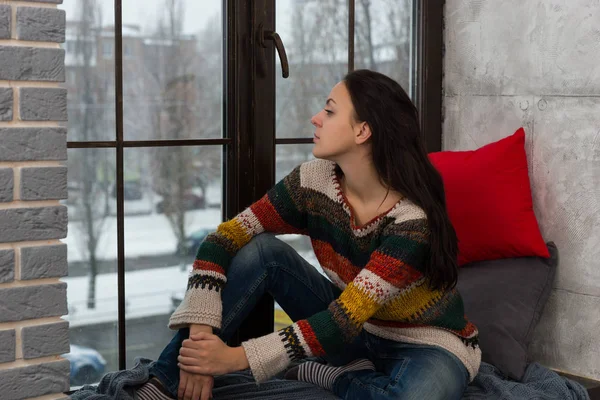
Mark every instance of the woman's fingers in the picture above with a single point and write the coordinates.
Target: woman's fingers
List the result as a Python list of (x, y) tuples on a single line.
[(183, 377), (206, 392), (197, 391), (187, 352), (190, 361), (193, 344), (189, 390)]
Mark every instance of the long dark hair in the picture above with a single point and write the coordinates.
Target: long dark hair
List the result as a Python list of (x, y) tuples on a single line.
[(401, 160)]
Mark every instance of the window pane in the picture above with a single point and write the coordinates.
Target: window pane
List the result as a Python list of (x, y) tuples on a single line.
[(172, 69), (315, 34), (172, 201), (90, 69), (383, 34), (92, 280), (289, 156)]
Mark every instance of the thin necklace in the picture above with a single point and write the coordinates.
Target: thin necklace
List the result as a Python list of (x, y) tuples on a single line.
[(345, 187), (383, 201)]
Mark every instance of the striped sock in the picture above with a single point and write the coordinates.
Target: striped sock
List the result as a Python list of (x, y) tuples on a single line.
[(152, 390), (324, 375)]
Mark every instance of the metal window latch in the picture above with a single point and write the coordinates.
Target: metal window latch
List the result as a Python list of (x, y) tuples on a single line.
[(263, 36)]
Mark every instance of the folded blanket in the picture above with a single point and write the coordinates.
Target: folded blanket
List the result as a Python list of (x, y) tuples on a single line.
[(538, 383), (117, 385), (240, 385)]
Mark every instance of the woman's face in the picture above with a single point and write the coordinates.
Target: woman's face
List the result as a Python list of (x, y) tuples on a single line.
[(335, 130)]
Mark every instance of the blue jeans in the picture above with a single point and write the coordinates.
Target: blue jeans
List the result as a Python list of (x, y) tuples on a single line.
[(268, 265)]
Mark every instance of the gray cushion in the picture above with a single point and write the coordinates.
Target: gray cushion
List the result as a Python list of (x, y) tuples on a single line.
[(504, 299)]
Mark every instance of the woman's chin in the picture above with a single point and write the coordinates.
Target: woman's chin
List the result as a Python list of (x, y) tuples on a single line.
[(318, 154)]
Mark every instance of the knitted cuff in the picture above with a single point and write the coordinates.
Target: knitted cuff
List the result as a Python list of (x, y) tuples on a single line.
[(266, 355), (199, 306)]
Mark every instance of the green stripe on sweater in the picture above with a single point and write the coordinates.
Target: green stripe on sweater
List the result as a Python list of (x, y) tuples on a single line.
[(328, 333), (282, 200), (452, 315), (214, 253)]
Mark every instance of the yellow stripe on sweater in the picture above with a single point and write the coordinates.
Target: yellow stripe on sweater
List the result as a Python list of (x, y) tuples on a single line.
[(410, 304), (234, 231), (359, 304)]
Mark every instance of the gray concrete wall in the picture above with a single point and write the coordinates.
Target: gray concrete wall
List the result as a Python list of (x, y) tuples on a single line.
[(536, 64), (32, 180)]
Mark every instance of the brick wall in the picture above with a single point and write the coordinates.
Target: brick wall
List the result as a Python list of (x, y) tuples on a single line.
[(33, 109)]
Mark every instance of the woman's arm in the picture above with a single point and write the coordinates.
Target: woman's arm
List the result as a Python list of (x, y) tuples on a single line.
[(280, 211)]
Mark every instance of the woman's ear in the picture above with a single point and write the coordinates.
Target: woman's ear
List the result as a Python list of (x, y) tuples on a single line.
[(363, 134)]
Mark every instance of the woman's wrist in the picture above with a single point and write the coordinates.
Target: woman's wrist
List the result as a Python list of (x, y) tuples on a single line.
[(196, 328), (241, 361)]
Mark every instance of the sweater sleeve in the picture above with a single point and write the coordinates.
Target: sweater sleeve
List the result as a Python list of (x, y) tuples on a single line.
[(280, 211), (392, 268)]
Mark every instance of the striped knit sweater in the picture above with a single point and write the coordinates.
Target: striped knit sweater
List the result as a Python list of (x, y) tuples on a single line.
[(378, 266)]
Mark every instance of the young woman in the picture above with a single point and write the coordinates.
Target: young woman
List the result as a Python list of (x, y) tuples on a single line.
[(389, 323)]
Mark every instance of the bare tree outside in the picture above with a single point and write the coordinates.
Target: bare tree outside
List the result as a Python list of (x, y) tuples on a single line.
[(91, 170), (207, 114), (318, 59), (364, 34), (382, 31), (183, 109)]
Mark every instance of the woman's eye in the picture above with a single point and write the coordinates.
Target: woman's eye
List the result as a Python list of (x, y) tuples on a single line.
[(329, 112)]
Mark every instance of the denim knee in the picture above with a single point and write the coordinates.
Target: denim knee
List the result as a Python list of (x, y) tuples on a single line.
[(263, 250)]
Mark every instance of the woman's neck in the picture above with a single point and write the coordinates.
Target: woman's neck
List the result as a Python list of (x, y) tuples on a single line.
[(362, 182)]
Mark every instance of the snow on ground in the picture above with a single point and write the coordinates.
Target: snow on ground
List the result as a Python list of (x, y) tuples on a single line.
[(148, 292), (144, 234)]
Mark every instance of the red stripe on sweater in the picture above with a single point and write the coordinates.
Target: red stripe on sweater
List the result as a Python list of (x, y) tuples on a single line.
[(392, 270), (269, 218), (201, 265), (469, 330), (335, 262), (310, 338)]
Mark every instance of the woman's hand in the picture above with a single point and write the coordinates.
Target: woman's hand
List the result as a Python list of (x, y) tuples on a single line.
[(207, 354), (194, 386)]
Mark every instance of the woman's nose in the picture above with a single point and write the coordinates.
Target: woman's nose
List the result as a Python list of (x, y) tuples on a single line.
[(315, 120)]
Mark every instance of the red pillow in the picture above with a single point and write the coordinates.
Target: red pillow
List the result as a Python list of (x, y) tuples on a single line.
[(489, 201)]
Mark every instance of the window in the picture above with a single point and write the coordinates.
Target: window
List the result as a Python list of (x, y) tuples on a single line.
[(199, 136)]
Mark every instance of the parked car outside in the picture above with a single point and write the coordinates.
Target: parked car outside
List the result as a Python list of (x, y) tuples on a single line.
[(87, 365), (193, 240), (132, 190)]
